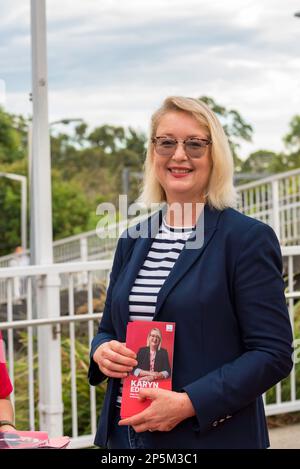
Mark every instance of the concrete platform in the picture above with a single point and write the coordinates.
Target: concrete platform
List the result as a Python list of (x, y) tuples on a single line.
[(287, 437)]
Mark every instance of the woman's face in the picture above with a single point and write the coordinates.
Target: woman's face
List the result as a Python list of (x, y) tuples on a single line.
[(181, 186), (154, 339)]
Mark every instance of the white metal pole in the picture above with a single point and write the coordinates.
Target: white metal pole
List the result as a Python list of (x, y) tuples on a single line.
[(40, 166), (47, 301)]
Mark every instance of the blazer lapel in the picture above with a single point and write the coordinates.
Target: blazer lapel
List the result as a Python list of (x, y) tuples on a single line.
[(189, 256), (147, 232)]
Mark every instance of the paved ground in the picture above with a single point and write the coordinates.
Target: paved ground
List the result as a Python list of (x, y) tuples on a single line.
[(286, 437)]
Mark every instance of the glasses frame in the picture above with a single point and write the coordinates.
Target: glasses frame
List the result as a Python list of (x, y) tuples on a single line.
[(207, 141)]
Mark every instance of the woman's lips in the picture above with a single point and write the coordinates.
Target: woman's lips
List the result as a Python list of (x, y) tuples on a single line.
[(180, 173)]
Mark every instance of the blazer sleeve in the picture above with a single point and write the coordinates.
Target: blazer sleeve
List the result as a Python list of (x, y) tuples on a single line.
[(106, 330), (263, 317), (142, 358), (165, 364)]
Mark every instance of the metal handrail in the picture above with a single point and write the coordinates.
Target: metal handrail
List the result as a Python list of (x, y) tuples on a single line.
[(58, 268), (274, 177)]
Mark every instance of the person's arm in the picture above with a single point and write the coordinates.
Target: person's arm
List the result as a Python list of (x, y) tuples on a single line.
[(165, 369), (6, 415), (164, 365), (265, 327), (138, 371), (162, 375)]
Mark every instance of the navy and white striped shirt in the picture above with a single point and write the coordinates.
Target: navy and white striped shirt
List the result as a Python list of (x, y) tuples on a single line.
[(164, 251)]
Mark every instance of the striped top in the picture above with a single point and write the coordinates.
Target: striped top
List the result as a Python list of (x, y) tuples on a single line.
[(164, 251)]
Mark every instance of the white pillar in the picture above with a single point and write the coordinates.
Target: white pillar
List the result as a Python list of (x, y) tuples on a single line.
[(47, 301)]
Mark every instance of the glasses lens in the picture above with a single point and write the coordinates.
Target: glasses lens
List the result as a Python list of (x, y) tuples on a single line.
[(195, 147), (165, 146)]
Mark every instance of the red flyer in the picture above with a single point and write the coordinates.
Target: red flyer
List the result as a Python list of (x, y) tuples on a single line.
[(153, 342), (31, 440)]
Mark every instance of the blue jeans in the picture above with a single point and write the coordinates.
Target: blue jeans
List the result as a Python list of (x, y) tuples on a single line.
[(123, 437)]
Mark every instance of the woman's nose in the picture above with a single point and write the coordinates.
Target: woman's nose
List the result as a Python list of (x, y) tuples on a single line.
[(179, 153)]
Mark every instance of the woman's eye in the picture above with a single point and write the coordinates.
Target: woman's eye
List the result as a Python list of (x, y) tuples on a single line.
[(195, 144), (167, 142)]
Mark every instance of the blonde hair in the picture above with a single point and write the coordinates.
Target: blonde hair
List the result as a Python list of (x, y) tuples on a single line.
[(158, 333), (220, 191)]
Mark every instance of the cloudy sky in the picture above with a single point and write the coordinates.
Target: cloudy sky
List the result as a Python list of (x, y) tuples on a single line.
[(113, 61)]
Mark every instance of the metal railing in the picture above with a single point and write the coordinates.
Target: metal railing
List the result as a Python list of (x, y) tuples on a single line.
[(275, 200), (16, 318), (285, 398), (84, 246)]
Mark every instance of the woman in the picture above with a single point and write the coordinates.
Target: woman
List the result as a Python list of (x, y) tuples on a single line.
[(6, 410), (226, 294), (152, 361)]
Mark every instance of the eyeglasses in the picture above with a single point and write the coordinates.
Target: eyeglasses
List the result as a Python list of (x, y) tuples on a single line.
[(155, 336), (194, 147)]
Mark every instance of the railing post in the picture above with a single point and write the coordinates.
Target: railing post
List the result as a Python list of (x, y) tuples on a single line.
[(275, 208), (84, 257), (83, 249), (49, 356)]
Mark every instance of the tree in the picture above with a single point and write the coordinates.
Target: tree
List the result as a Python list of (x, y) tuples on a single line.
[(13, 134), (136, 142), (81, 133), (292, 139), (10, 220), (263, 161), (107, 137), (71, 209), (235, 127)]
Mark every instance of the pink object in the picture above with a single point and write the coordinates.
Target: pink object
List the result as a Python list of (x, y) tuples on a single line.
[(31, 440)]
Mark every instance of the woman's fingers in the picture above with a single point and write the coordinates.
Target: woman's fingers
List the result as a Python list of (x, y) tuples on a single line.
[(121, 348), (113, 374), (115, 366), (115, 359)]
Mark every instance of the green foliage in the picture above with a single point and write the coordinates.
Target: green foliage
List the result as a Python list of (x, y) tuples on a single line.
[(10, 207), (107, 137), (263, 162), (292, 139), (10, 220), (83, 389), (235, 127), (71, 209), (286, 383), (12, 136)]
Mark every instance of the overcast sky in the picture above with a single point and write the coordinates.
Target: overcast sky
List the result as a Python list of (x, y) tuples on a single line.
[(113, 61)]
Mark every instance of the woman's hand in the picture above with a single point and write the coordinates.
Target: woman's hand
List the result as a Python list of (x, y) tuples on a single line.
[(151, 376), (115, 359), (167, 409), (148, 377)]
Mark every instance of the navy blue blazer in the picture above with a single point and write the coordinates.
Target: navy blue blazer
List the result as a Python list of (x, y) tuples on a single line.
[(233, 337)]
